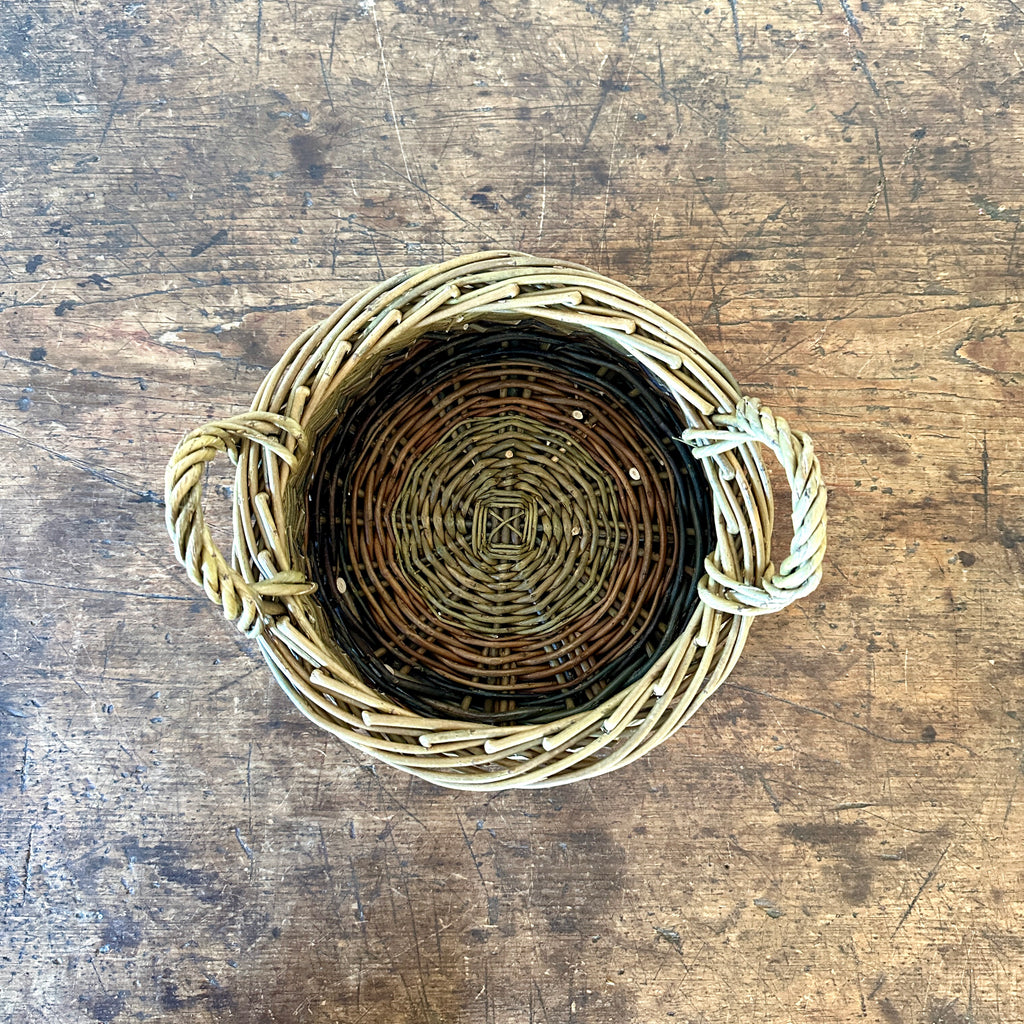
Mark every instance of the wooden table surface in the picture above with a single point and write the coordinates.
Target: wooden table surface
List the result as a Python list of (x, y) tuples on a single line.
[(830, 192)]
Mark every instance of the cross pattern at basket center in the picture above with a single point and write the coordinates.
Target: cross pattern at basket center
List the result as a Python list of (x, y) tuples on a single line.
[(507, 526), (504, 525)]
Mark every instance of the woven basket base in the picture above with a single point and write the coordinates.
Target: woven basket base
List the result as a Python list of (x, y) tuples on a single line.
[(502, 528)]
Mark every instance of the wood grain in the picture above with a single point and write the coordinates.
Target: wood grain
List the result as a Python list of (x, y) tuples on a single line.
[(830, 193)]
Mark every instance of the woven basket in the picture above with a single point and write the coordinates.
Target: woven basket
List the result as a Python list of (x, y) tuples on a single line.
[(500, 522)]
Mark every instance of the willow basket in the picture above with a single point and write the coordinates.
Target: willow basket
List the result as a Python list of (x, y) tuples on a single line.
[(278, 448)]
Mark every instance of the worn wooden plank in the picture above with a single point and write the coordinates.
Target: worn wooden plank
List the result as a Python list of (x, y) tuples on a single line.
[(830, 193)]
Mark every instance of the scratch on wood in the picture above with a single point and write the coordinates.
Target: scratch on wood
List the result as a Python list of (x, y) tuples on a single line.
[(387, 90), (882, 179), (160, 252), (356, 893), (707, 201), (216, 239), (248, 800), (391, 796), (984, 475), (169, 340), (543, 194), (666, 93), (842, 721), (1011, 253), (144, 496), (376, 252), (404, 890), (736, 29), (221, 53), (778, 355), (593, 120), (113, 112), (1013, 792), (327, 84), (862, 63), (714, 306), (96, 590), (27, 880), (851, 18), (540, 999), (243, 844), (455, 213), (770, 793), (334, 36), (420, 973), (924, 885), (486, 994), (259, 33), (472, 855)]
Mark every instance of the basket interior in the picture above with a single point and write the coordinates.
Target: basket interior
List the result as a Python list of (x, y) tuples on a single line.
[(501, 525)]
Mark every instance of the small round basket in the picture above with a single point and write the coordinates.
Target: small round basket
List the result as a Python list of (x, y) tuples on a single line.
[(500, 522)]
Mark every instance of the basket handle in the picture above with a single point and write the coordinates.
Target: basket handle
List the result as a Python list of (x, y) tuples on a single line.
[(800, 572), (242, 601)]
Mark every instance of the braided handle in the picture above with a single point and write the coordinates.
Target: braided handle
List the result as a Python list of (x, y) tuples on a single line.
[(800, 572), (242, 601)]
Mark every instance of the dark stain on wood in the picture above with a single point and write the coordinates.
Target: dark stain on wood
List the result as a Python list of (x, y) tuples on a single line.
[(310, 153)]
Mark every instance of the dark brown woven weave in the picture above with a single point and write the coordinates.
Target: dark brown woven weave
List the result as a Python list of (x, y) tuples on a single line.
[(502, 526)]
